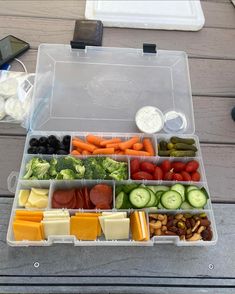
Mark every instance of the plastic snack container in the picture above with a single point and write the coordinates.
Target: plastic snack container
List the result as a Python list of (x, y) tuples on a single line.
[(99, 90)]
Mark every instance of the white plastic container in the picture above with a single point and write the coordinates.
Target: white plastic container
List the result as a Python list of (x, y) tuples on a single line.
[(99, 90)]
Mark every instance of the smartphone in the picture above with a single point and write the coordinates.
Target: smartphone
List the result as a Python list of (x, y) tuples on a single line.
[(11, 47)]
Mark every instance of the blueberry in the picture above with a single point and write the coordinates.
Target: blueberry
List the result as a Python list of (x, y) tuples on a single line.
[(43, 141), (33, 142), (61, 152), (42, 150), (52, 141), (66, 140), (50, 150), (32, 150)]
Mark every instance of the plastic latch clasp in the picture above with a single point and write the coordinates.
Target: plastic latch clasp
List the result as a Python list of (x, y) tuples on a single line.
[(77, 45), (149, 48), (12, 181)]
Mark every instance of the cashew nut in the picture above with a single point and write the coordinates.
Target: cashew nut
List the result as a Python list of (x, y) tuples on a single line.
[(156, 225), (196, 226), (158, 232), (160, 217), (202, 228), (195, 237), (164, 221)]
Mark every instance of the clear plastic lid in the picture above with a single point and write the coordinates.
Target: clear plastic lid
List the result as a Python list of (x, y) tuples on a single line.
[(101, 89)]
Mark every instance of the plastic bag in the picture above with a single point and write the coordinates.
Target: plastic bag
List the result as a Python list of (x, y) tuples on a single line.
[(16, 90)]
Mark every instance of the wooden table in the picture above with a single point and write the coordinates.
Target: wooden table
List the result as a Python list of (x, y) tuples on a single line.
[(161, 269)]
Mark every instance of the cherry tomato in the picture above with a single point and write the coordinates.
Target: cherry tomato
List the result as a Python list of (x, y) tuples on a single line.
[(178, 166), (166, 165), (158, 173), (142, 175), (177, 177), (192, 166), (196, 177), (135, 165), (168, 176), (186, 176), (147, 166)]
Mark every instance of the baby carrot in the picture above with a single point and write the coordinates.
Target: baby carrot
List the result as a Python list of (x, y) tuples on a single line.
[(120, 152), (148, 146), (113, 145), (138, 146), (110, 141), (92, 139), (78, 139), (84, 146), (136, 153), (85, 152), (104, 151), (129, 143), (75, 152)]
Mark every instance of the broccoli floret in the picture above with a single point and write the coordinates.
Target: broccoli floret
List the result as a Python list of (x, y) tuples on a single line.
[(68, 174), (28, 169), (52, 170), (119, 175), (94, 169), (40, 168), (112, 165), (68, 162), (80, 171)]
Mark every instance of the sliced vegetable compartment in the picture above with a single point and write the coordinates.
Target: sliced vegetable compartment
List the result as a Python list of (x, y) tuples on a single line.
[(140, 195), (82, 195), (48, 144), (167, 169), (73, 168), (175, 146), (186, 227), (99, 144)]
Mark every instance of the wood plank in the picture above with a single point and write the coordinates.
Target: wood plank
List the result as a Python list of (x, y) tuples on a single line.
[(73, 264), (69, 9), (212, 119), (208, 77), (209, 42), (219, 163), (217, 14)]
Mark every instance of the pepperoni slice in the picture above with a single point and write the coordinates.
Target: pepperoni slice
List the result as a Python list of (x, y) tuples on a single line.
[(103, 206), (101, 193), (88, 204), (64, 196), (79, 199), (72, 204), (54, 204)]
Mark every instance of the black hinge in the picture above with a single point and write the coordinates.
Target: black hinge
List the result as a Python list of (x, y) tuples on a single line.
[(77, 45), (149, 48)]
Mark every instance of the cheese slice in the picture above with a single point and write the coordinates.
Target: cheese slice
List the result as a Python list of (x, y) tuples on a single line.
[(91, 214), (116, 215), (23, 197), (29, 213), (109, 213), (37, 200), (40, 191), (116, 229), (84, 228), (25, 230), (139, 228), (143, 224), (56, 227), (29, 218), (56, 213)]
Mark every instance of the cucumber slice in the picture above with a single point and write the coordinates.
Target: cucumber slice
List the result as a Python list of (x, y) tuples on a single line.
[(196, 198), (118, 189), (160, 205), (128, 188), (205, 192), (160, 188), (185, 206), (152, 200), (190, 188), (180, 189), (158, 197), (139, 197), (171, 200), (122, 201)]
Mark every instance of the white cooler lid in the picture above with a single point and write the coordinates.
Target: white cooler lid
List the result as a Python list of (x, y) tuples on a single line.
[(159, 14), (100, 89)]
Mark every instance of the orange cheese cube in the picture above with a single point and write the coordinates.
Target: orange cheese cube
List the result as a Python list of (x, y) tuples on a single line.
[(84, 228), (24, 230)]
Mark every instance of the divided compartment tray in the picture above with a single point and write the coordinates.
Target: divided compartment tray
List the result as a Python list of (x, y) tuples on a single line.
[(53, 184)]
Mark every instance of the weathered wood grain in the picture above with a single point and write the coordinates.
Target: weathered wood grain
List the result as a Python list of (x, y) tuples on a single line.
[(209, 42), (212, 112), (219, 163), (208, 77), (217, 14), (107, 262)]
